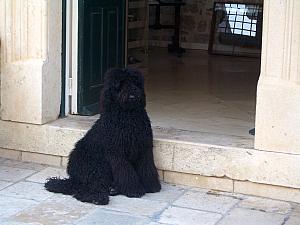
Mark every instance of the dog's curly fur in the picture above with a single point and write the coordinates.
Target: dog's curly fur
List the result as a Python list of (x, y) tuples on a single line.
[(115, 156)]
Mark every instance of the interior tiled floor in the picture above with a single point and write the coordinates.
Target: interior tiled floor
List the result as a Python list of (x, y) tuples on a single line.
[(202, 93), (196, 98), (24, 201)]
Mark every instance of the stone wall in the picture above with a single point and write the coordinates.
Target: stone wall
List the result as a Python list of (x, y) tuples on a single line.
[(195, 19), (30, 34), (278, 92)]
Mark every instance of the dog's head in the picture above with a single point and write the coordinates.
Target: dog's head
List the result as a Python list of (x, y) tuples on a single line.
[(123, 90)]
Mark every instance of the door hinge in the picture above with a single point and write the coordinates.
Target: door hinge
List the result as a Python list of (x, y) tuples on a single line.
[(70, 86)]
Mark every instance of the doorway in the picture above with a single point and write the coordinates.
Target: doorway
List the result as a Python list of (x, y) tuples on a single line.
[(200, 95), (192, 97)]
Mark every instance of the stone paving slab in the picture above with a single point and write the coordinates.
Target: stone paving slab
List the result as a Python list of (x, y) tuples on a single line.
[(57, 210), (22, 165), (266, 205), (13, 174), (183, 216), (136, 206), (221, 193), (10, 206), (27, 190), (296, 210), (156, 223), (293, 221), (48, 172), (101, 217), (168, 193), (14, 223), (24, 201), (206, 202), (4, 184), (240, 216)]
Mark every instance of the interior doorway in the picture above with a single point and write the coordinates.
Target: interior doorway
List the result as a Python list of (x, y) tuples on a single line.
[(199, 95), (193, 97)]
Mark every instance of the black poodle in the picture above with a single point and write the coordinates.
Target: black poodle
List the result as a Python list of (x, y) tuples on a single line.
[(115, 156)]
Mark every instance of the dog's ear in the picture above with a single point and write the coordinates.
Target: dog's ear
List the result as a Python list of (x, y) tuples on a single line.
[(110, 77)]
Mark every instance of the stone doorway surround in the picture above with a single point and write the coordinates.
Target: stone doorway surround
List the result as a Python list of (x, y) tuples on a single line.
[(30, 33), (31, 39), (278, 95)]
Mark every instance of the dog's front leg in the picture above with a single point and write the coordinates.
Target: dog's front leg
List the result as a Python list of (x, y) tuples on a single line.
[(147, 172), (97, 191), (125, 178)]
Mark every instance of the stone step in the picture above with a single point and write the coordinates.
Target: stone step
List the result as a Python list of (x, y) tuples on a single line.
[(229, 159)]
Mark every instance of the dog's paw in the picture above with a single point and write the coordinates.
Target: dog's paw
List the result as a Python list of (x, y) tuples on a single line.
[(95, 198), (135, 194), (151, 185), (113, 191), (153, 188)]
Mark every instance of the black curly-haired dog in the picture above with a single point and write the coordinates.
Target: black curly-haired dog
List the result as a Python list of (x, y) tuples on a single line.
[(115, 156)]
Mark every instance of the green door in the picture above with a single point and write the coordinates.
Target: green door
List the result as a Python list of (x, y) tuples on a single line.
[(101, 41)]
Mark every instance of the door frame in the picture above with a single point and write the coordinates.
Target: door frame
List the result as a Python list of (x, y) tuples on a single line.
[(72, 57)]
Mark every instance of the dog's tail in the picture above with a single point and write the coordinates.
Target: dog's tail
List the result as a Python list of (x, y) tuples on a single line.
[(58, 185)]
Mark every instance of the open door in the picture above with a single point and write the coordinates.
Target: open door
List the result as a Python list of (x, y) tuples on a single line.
[(101, 45)]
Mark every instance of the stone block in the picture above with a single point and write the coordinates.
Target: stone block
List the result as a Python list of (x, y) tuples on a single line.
[(269, 191), (10, 154), (41, 158), (214, 183)]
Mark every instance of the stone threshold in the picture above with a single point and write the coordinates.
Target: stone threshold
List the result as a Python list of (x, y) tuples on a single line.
[(229, 166), (85, 122)]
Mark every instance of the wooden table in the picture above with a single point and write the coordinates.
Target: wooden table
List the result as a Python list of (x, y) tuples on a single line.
[(174, 47)]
